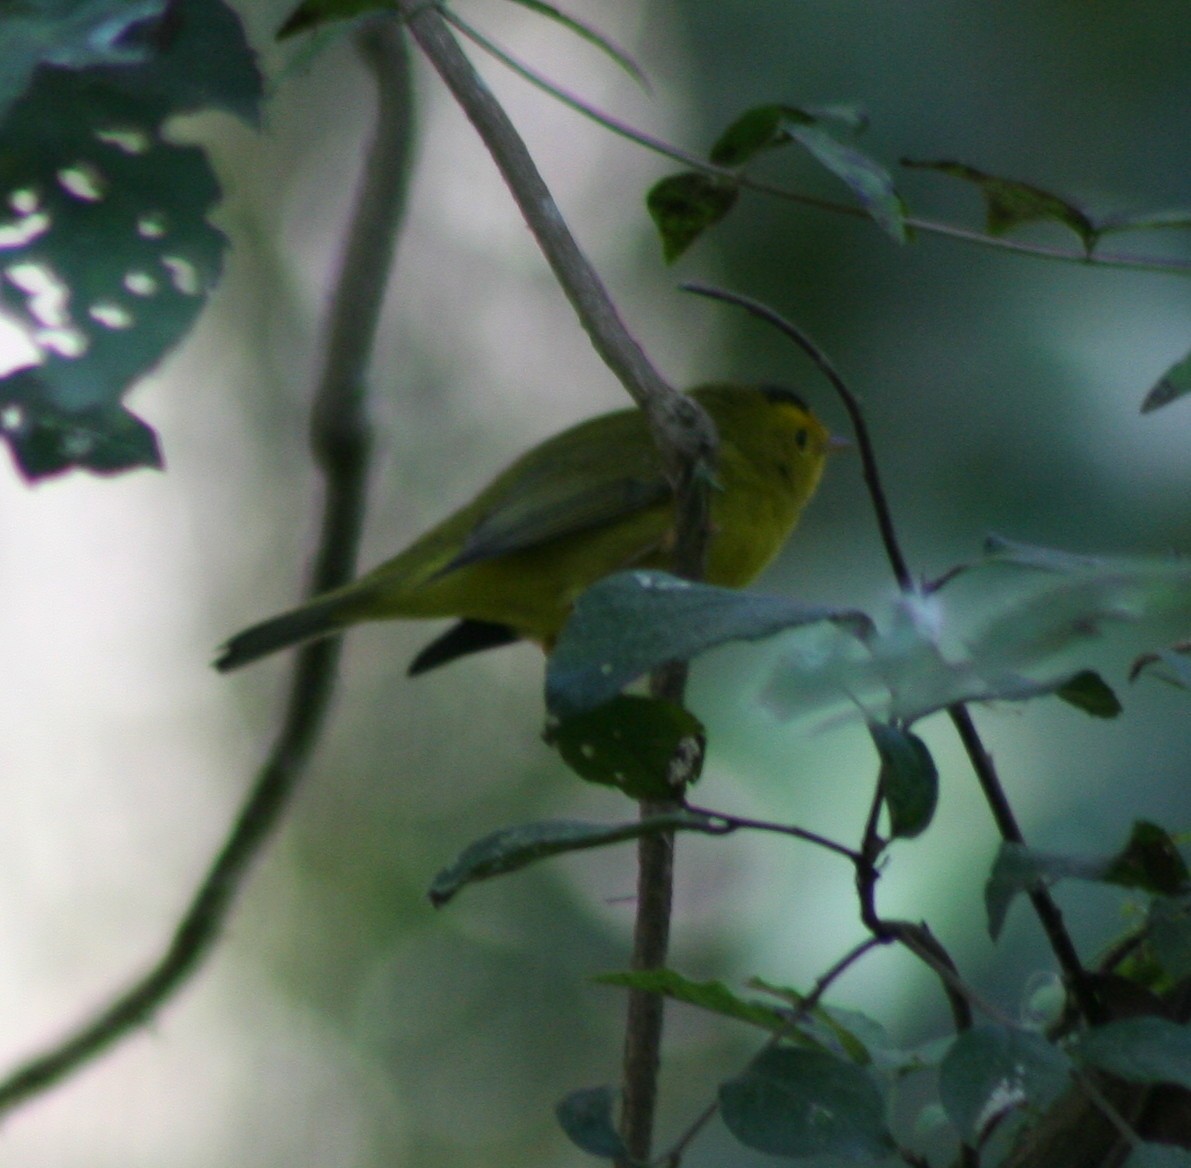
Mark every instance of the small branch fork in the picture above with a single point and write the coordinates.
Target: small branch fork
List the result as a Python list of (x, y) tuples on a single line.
[(339, 438)]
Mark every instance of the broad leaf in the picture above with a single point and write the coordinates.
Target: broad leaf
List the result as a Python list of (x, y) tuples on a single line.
[(1143, 1050), (909, 779), (1168, 928), (586, 1117), (1010, 203), (713, 996), (514, 848), (991, 1070), (683, 206), (1088, 691), (1145, 1155), (795, 1102), (632, 743), (632, 622), (1150, 860), (110, 254), (1173, 384)]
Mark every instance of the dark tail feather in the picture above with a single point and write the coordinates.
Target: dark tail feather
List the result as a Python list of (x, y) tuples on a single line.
[(468, 636), (280, 632)]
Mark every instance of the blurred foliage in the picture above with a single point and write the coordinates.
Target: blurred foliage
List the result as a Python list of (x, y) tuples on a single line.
[(1003, 393)]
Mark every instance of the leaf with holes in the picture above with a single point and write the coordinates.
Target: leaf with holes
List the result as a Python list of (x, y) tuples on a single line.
[(109, 255), (631, 743)]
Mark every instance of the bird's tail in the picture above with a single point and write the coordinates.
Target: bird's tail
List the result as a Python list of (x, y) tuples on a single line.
[(319, 618)]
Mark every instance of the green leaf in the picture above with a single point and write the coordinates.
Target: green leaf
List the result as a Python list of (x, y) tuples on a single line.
[(1146, 1049), (629, 623), (631, 743), (846, 1033), (311, 13), (795, 1102), (586, 1117), (1145, 1155), (1173, 384), (768, 127), (909, 779), (111, 254), (713, 996), (1009, 203), (1168, 929), (991, 1070), (683, 206), (75, 36), (1019, 869), (1149, 861), (868, 180), (1088, 691), (589, 33), (513, 848)]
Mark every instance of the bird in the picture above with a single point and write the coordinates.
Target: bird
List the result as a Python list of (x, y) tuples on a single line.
[(590, 501)]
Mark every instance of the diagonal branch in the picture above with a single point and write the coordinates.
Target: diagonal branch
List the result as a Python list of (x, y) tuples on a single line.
[(339, 438)]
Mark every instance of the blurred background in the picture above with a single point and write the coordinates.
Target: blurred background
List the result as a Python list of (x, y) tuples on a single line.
[(342, 1021)]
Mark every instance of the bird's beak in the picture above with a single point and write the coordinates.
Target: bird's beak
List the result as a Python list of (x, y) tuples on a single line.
[(837, 442)]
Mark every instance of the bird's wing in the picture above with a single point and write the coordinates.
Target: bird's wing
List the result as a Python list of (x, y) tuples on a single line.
[(564, 487)]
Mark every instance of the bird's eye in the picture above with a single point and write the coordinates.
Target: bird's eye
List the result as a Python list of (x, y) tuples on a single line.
[(800, 439)]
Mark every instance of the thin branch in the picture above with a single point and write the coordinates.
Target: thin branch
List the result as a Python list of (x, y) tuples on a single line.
[(1049, 915), (736, 822), (340, 442), (686, 440), (864, 442), (695, 162)]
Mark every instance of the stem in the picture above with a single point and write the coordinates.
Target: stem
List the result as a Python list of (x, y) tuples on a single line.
[(686, 440), (340, 443), (1174, 267)]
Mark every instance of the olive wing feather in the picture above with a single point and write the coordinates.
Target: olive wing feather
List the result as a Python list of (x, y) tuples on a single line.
[(588, 477)]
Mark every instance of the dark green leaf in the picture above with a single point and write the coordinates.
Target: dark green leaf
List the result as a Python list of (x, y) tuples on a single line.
[(590, 34), (868, 180), (683, 206), (1018, 869), (311, 13), (847, 1033), (631, 622), (1173, 384), (759, 129), (1145, 1155), (631, 743), (514, 848), (73, 36), (909, 779), (1009, 203), (770, 126), (991, 1070), (713, 996), (1169, 931), (795, 1102), (1088, 691), (1149, 861), (1147, 1049), (586, 1117), (111, 217)]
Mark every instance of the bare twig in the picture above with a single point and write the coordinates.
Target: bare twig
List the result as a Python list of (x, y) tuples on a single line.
[(340, 442)]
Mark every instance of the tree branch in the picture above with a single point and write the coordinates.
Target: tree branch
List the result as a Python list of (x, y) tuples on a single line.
[(339, 438), (686, 440)]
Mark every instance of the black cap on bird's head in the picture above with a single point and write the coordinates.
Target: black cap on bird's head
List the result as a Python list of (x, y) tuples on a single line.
[(780, 393)]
